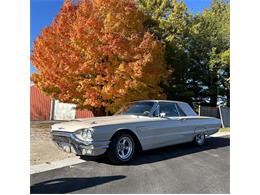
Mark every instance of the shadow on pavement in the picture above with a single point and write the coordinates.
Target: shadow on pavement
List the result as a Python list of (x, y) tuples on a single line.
[(66, 185), (169, 152), (179, 150)]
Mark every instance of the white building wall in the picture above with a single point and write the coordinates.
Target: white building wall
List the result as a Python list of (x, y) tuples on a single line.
[(64, 111)]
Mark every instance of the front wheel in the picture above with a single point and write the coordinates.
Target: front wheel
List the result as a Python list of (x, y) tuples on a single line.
[(199, 139), (121, 149)]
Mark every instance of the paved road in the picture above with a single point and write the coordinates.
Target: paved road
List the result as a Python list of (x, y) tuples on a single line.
[(176, 169)]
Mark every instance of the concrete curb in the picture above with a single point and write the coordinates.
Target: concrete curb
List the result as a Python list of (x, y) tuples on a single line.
[(220, 134), (55, 165)]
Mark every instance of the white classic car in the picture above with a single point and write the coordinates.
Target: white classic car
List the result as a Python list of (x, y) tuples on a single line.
[(140, 125)]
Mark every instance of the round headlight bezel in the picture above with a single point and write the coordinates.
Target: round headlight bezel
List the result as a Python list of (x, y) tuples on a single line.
[(84, 134)]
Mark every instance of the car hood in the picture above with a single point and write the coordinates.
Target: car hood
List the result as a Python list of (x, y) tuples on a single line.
[(75, 125)]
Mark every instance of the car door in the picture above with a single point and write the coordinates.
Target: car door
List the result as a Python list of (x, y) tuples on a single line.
[(167, 130), (173, 128), (168, 126), (158, 131)]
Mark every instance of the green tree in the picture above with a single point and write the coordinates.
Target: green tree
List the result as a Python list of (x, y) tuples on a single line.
[(210, 52), (197, 48), (172, 24)]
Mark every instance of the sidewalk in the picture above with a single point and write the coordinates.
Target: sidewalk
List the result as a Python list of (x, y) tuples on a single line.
[(55, 164), (219, 134)]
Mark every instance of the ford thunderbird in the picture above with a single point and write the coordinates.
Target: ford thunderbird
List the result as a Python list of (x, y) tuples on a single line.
[(140, 125)]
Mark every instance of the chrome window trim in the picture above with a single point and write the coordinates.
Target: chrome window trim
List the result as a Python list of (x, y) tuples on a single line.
[(177, 109), (154, 109)]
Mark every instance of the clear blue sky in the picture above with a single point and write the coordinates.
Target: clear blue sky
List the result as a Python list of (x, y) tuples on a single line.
[(43, 12)]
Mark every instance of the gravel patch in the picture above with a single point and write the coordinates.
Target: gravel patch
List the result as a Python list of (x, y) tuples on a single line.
[(42, 148)]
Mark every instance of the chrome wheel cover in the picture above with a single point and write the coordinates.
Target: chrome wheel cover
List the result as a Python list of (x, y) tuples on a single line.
[(124, 147)]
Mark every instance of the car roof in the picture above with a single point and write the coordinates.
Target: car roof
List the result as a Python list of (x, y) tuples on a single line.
[(170, 101), (185, 107)]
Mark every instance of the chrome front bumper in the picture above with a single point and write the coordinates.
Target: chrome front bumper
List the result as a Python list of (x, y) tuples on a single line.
[(69, 143)]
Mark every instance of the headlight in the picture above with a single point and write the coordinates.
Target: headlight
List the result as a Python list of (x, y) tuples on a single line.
[(84, 134)]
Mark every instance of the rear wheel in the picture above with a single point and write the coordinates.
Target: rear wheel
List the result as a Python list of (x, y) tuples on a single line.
[(199, 139), (121, 149)]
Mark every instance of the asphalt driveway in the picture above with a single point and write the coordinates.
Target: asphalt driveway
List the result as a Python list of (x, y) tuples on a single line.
[(176, 169)]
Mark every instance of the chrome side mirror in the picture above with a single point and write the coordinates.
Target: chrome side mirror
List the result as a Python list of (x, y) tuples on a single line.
[(162, 114)]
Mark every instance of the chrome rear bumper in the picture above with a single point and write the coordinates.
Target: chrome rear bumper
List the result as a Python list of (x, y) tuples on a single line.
[(69, 143)]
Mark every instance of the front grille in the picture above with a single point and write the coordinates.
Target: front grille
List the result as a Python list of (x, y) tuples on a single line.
[(63, 140), (59, 138)]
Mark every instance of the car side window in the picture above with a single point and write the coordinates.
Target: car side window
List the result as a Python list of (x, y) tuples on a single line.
[(180, 111), (170, 109)]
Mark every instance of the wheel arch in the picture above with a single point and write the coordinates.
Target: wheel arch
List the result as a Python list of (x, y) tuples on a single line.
[(132, 133)]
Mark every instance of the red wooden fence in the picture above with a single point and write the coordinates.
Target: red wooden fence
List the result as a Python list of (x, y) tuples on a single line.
[(40, 106)]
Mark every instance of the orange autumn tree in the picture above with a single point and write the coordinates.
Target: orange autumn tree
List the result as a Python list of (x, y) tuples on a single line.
[(97, 54)]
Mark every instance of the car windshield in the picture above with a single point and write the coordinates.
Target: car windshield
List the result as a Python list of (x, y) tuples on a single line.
[(136, 108)]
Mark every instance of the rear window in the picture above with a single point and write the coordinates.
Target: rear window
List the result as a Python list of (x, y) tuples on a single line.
[(187, 109), (180, 111)]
